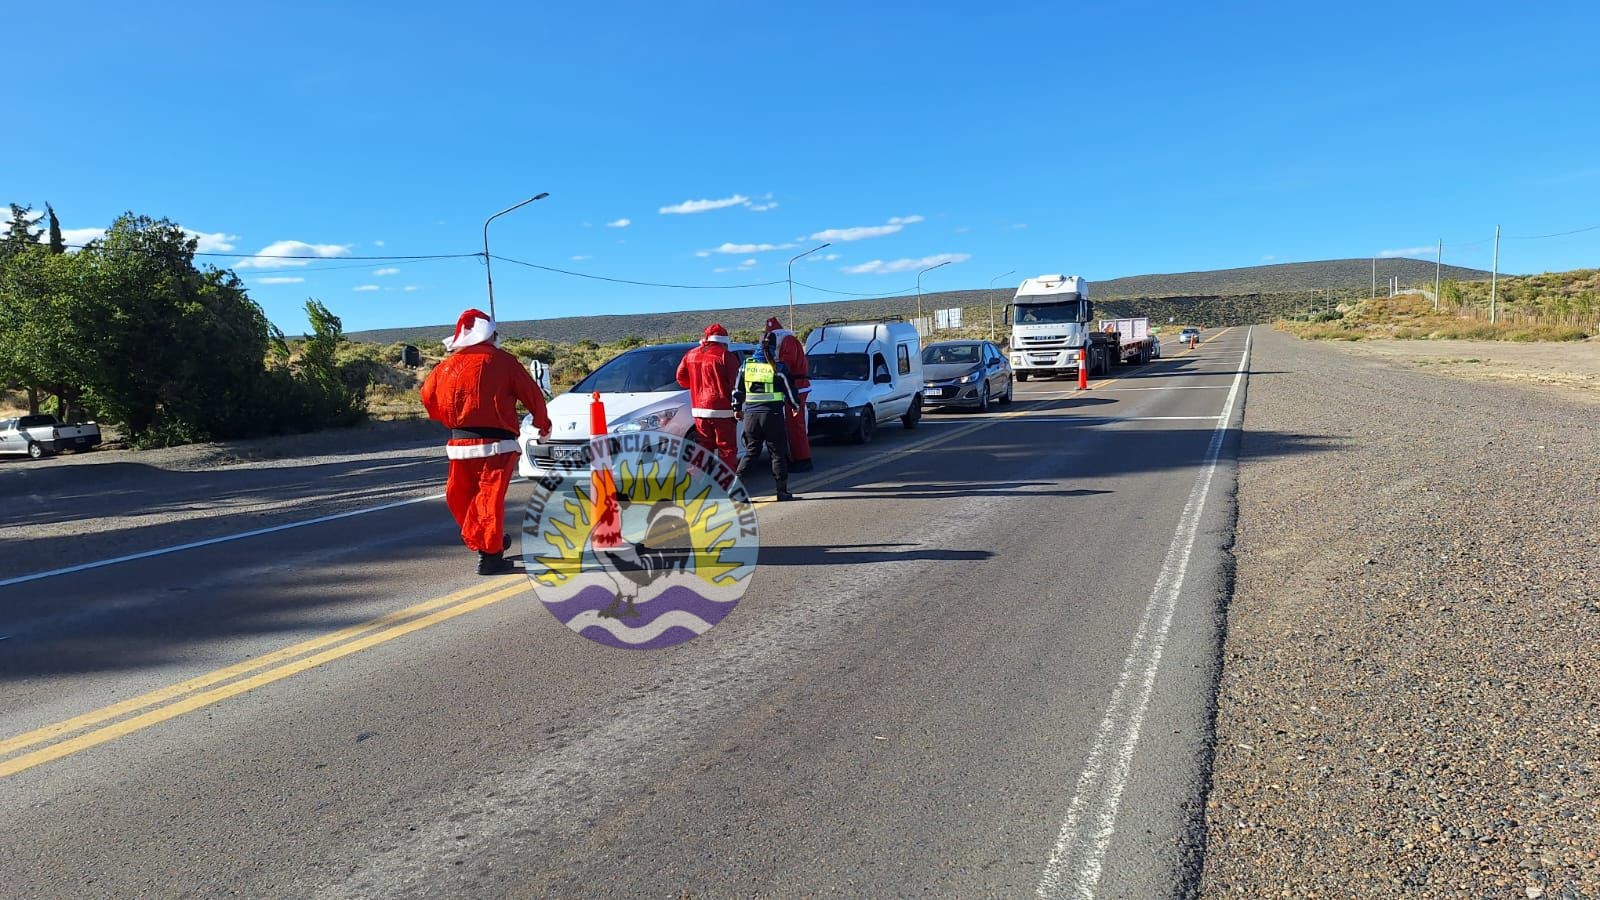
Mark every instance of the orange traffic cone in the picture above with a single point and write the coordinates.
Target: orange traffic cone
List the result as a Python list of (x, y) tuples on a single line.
[(597, 415), (1083, 369)]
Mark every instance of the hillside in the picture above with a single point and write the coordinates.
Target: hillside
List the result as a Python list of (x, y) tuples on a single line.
[(1221, 297)]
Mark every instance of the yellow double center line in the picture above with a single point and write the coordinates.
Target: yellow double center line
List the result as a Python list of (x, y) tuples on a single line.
[(213, 687)]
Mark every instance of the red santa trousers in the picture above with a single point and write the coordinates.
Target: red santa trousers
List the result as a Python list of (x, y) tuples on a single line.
[(721, 435), (799, 444), (476, 495)]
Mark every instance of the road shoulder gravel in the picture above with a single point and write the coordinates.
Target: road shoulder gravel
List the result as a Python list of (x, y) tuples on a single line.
[(1410, 695)]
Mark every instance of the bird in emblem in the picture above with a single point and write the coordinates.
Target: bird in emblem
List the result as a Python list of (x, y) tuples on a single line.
[(666, 547)]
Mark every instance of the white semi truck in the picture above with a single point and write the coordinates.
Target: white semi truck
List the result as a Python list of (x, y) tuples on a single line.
[(1051, 320)]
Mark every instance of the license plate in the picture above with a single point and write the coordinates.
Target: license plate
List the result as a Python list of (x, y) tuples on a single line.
[(565, 453), (936, 392)]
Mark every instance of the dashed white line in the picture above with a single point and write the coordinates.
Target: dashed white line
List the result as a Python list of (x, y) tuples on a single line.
[(1080, 848)]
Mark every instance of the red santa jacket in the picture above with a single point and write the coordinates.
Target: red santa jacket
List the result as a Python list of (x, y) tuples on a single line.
[(793, 355), (474, 393), (710, 372)]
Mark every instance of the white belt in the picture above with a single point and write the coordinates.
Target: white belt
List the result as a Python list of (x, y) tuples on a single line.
[(700, 413), (480, 451)]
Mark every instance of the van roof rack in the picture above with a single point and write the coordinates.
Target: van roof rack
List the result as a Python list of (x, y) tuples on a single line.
[(852, 320)]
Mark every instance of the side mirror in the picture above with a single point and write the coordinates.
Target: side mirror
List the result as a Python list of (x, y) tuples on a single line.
[(1005, 314)]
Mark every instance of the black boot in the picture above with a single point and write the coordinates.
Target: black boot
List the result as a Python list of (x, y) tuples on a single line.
[(493, 563)]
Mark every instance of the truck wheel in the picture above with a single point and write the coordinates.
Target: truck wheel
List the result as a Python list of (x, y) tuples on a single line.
[(1022, 376), (914, 414), (36, 451), (865, 427)]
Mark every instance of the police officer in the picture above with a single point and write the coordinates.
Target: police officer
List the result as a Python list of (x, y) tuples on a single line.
[(761, 402)]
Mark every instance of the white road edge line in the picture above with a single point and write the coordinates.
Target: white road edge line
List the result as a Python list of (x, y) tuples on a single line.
[(1080, 849), (162, 551)]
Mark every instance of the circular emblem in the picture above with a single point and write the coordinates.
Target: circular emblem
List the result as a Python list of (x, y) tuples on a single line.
[(640, 540)]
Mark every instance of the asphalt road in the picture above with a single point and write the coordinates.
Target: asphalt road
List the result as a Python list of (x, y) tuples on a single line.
[(978, 659)]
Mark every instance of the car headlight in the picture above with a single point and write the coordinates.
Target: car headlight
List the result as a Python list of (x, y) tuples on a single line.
[(652, 422), (968, 378), (832, 405)]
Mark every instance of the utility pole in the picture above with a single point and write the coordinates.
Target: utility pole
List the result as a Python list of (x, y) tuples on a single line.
[(919, 289), (486, 271), (791, 280), (1374, 276), (1439, 263), (1494, 277), (991, 300)]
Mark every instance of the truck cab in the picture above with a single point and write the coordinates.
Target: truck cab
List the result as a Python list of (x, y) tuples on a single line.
[(1051, 321), (863, 374)]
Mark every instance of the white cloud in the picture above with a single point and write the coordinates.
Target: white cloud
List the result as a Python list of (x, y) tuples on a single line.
[(702, 253), (688, 207), (831, 257), (386, 270), (879, 267), (78, 236), (1406, 251), (367, 287), (745, 249), (280, 279), (720, 269), (620, 223), (747, 263), (213, 242), (264, 258), (377, 243), (763, 207), (581, 258), (1268, 258), (862, 232), (411, 287), (1020, 225), (963, 230)]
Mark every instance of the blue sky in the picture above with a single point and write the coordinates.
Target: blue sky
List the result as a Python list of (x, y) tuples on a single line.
[(1101, 139)]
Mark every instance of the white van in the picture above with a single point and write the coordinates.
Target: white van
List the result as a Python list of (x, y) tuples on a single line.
[(863, 374)]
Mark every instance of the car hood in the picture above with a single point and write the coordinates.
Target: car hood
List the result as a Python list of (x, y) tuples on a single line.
[(850, 392), (945, 371), (569, 413)]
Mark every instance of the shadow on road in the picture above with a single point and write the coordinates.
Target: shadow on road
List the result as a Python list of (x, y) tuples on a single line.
[(858, 554)]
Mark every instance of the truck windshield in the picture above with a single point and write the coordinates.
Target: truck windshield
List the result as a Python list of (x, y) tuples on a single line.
[(1049, 313), (838, 366), (636, 372), (36, 421)]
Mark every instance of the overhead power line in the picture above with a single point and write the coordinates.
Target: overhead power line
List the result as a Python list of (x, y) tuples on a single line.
[(1540, 237), (682, 287)]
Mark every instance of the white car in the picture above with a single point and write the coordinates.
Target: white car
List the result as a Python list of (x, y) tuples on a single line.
[(862, 374), (639, 388)]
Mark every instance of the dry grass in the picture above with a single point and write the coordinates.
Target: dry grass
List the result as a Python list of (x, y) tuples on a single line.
[(1412, 318)]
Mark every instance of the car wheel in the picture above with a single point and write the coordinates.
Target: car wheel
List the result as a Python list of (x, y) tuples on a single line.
[(36, 451), (914, 414), (983, 397), (866, 426), (1011, 389)]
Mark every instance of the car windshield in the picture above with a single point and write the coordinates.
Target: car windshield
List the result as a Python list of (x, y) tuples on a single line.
[(839, 366), (637, 371), (1052, 313), (949, 354), (35, 421)]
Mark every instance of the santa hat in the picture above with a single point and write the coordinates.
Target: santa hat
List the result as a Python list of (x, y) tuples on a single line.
[(473, 327), (715, 334), (773, 324)]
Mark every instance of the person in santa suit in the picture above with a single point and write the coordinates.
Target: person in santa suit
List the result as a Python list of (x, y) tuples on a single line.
[(793, 356), (711, 372), (474, 393)]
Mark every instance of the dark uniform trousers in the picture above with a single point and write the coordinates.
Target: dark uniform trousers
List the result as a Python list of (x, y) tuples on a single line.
[(764, 423)]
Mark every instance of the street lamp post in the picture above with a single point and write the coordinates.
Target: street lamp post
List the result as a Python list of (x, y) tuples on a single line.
[(919, 287), (486, 271), (991, 300), (791, 279)]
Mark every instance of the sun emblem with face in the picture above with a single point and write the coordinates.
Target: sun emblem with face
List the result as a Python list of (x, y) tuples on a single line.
[(643, 541)]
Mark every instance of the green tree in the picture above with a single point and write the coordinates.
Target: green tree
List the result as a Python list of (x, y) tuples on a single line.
[(57, 245)]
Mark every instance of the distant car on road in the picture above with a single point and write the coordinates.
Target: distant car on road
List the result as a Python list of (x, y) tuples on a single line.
[(1155, 346), (40, 436), (1188, 334), (965, 373), (639, 388)]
